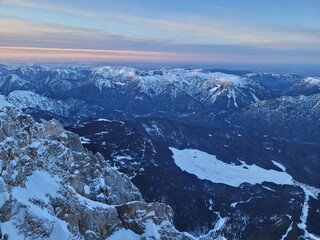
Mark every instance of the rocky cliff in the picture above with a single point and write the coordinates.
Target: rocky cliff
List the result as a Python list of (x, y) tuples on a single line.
[(53, 188)]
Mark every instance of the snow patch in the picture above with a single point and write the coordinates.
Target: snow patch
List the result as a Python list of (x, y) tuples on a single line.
[(124, 234), (220, 222), (309, 191), (206, 166), (40, 186), (3, 194), (270, 189), (151, 232), (103, 120), (283, 168), (4, 102), (234, 204), (85, 140), (287, 232), (256, 99), (10, 229)]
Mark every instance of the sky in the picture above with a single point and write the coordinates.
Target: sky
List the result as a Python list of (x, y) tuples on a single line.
[(166, 31)]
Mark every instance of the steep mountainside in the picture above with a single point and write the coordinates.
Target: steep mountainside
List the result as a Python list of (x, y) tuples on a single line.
[(296, 118), (275, 83), (67, 111), (309, 86), (53, 188)]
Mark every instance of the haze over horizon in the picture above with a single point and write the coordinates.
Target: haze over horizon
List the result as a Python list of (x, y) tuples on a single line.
[(171, 32)]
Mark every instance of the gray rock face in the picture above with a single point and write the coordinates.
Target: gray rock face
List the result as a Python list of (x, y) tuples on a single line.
[(135, 213), (53, 188)]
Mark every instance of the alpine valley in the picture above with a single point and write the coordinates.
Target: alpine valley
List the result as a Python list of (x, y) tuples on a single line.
[(122, 153)]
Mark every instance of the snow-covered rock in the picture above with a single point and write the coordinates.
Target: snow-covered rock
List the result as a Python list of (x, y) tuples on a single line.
[(53, 188)]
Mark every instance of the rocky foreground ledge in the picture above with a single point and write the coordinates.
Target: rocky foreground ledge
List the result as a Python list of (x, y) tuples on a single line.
[(53, 188)]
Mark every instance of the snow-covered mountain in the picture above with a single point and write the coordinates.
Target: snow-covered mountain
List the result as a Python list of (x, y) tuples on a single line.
[(53, 188), (275, 83), (145, 92), (12, 82), (308, 86), (204, 87), (128, 92), (67, 110)]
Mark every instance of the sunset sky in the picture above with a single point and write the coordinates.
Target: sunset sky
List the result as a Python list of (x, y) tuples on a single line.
[(166, 31)]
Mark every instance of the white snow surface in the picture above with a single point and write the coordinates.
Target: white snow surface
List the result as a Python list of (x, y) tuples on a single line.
[(10, 229), (287, 232), (151, 232), (4, 196), (309, 191), (279, 165), (206, 166), (85, 140), (39, 186), (312, 80), (124, 234), (165, 75), (4, 102)]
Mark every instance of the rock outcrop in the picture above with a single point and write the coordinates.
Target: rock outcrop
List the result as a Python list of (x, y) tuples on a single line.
[(53, 188)]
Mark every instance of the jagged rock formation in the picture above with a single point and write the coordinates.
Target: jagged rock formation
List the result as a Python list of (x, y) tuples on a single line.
[(53, 188)]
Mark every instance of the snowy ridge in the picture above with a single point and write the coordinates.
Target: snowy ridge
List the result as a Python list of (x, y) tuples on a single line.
[(312, 81), (27, 99), (204, 86), (199, 88), (72, 108), (104, 77)]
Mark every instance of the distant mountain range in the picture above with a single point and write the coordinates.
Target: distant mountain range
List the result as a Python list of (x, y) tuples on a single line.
[(199, 96)]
